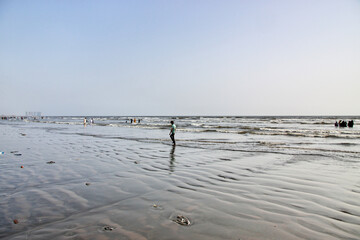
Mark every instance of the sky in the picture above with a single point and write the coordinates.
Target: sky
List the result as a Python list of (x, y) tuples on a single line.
[(180, 57)]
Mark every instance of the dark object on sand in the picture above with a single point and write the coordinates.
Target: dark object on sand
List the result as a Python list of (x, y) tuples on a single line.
[(17, 154), (108, 228), (351, 123), (51, 162), (182, 220), (16, 221), (87, 184), (22, 167), (23, 134)]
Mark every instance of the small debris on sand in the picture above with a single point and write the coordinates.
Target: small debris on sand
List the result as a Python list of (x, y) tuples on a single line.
[(16, 221), (182, 220), (17, 154), (157, 207), (108, 228), (51, 162), (87, 184)]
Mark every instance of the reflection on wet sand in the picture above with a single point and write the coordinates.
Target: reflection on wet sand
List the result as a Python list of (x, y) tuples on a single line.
[(172, 159)]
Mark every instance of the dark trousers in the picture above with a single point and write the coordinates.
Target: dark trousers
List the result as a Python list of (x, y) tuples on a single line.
[(172, 136)]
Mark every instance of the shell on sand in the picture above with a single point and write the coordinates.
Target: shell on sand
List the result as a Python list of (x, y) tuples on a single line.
[(182, 220)]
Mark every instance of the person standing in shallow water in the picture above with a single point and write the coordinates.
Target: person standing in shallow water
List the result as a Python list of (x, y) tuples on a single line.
[(172, 132)]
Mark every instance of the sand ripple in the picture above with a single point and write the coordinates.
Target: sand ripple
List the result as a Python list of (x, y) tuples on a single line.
[(226, 194)]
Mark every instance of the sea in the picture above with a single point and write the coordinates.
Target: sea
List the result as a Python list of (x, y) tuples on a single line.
[(283, 135), (231, 177)]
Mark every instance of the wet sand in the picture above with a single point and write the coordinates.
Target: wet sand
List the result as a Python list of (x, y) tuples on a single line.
[(137, 189)]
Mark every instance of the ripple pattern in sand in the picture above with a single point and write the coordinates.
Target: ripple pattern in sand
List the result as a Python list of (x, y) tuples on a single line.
[(226, 194)]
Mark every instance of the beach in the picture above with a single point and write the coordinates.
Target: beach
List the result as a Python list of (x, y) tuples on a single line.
[(255, 178)]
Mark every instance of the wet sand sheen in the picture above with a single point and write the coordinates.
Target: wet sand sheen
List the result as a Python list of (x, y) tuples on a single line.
[(139, 188)]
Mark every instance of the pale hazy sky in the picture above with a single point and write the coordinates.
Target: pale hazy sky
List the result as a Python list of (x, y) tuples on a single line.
[(180, 57)]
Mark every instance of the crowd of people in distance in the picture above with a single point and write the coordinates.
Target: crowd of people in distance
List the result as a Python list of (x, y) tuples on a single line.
[(342, 123), (87, 121), (91, 121), (134, 120), (20, 117)]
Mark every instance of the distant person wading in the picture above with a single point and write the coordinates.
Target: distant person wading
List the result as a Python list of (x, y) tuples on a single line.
[(172, 132)]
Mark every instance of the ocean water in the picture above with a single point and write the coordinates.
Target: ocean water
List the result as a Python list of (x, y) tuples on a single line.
[(288, 135), (233, 177)]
